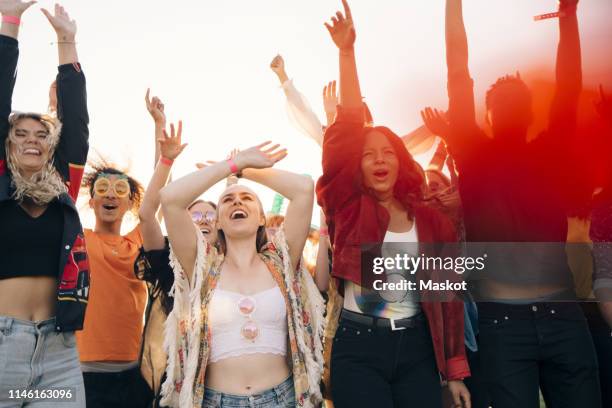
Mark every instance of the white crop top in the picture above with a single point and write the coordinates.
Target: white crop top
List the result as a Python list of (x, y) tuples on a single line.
[(261, 326)]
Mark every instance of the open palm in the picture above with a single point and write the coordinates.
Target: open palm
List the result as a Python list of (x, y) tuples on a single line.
[(342, 29), (261, 156), (171, 146), (435, 120), (64, 27)]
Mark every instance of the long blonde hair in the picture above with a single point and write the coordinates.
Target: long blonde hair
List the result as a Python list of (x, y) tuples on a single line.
[(46, 184)]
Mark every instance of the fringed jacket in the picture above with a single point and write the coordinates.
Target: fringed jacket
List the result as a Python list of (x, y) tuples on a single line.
[(188, 334)]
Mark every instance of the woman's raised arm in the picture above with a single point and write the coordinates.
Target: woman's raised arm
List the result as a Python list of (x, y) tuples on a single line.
[(178, 195), (342, 31)]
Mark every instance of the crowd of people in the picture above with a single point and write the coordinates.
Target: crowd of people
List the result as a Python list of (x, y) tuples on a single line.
[(239, 308)]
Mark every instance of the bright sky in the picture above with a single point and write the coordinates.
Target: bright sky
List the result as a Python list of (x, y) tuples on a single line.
[(208, 61)]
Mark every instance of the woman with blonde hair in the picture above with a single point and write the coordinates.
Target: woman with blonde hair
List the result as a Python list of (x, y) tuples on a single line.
[(246, 324), (44, 280)]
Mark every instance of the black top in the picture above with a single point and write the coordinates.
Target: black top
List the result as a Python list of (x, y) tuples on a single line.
[(30, 246), (154, 268)]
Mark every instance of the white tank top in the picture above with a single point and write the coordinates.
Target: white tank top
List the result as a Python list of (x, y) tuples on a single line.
[(404, 304), (268, 319)]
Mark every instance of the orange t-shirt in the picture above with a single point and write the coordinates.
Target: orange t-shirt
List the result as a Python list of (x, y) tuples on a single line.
[(113, 325)]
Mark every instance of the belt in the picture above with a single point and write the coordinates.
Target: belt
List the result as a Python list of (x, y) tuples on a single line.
[(393, 324)]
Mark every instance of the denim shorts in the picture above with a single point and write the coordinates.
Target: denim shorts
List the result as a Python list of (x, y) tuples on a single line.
[(40, 364), (281, 396)]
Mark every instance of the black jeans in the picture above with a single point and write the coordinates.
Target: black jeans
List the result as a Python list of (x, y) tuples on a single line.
[(547, 346), (126, 389), (476, 381), (377, 367), (602, 338)]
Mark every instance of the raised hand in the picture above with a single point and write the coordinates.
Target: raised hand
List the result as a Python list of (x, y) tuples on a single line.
[(273, 153), (435, 120), (14, 7), (64, 27), (260, 157), (278, 65), (604, 106), (330, 100), (156, 109), (231, 155), (170, 147), (342, 29)]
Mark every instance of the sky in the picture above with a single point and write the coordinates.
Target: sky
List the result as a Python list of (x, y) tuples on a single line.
[(209, 62)]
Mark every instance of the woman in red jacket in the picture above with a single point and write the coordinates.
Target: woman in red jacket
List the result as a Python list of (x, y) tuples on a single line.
[(387, 352)]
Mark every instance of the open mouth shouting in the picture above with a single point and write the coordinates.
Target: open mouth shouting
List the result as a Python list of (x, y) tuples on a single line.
[(381, 174), (109, 207), (238, 215)]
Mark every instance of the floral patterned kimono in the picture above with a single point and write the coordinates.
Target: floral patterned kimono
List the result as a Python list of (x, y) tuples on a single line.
[(188, 335)]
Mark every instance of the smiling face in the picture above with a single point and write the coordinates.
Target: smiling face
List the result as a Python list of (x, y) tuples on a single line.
[(379, 164), (204, 216), (239, 212), (29, 146), (110, 200)]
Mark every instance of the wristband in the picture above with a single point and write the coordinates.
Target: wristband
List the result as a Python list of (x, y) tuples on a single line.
[(166, 161), (323, 232), (564, 11), (233, 167), (548, 16), (11, 20)]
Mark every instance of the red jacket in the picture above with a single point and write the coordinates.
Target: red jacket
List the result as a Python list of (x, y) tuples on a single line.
[(355, 218)]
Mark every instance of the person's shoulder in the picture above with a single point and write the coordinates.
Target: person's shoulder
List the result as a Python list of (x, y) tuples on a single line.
[(474, 135), (92, 239), (467, 141), (135, 235)]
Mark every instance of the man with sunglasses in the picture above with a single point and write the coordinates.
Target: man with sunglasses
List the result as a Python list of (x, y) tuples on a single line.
[(110, 341)]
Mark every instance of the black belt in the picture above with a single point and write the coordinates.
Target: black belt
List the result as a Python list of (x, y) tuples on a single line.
[(393, 324)]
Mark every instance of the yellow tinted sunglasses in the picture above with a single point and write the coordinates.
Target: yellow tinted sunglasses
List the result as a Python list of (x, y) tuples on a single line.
[(103, 184)]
